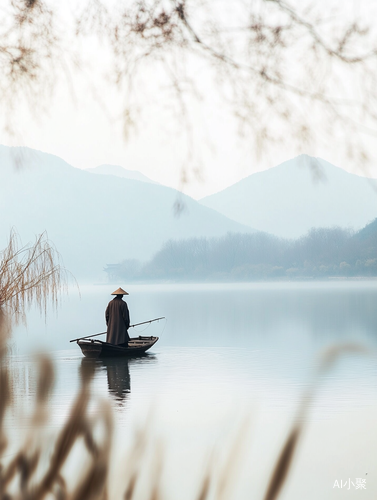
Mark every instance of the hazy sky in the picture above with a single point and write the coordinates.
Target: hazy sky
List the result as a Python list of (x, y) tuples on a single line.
[(84, 127), (85, 136)]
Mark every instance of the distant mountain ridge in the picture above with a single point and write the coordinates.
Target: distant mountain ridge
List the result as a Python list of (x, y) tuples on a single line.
[(95, 219), (119, 171), (291, 198)]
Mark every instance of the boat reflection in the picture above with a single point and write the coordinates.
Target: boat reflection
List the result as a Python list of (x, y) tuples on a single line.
[(118, 373), (118, 377)]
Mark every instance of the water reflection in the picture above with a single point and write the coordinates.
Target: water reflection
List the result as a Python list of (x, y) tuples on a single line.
[(118, 373), (118, 377)]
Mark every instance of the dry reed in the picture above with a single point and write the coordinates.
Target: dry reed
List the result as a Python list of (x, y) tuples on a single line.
[(30, 274)]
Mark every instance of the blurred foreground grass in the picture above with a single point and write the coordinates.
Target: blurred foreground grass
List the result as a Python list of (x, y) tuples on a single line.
[(38, 464)]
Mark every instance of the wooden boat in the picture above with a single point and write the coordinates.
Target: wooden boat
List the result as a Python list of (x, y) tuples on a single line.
[(92, 348)]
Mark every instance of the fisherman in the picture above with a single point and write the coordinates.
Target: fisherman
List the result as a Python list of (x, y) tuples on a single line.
[(117, 319)]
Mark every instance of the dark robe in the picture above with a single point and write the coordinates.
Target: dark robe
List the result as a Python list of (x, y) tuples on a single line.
[(117, 321)]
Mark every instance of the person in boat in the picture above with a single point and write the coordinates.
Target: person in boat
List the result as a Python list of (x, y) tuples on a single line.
[(117, 319)]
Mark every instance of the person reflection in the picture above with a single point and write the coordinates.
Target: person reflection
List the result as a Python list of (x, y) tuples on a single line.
[(118, 377), (118, 373)]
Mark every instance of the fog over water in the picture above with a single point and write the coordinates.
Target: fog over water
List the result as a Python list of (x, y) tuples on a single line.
[(227, 353)]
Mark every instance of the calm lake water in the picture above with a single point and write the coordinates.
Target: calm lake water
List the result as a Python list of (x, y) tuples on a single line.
[(230, 358)]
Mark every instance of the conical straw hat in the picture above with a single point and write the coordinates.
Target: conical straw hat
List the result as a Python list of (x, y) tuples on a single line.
[(120, 291)]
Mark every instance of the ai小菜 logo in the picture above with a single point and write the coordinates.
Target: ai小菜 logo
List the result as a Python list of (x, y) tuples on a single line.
[(359, 484)]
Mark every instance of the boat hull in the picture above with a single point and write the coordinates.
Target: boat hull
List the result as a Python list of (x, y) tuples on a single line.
[(97, 349)]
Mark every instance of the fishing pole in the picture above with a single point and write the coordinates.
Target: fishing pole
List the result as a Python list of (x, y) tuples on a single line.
[(103, 333)]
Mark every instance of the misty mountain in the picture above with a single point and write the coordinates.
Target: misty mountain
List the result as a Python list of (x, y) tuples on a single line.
[(95, 219), (119, 171), (297, 195)]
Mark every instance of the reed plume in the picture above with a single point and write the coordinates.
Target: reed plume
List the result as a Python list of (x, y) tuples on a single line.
[(30, 274)]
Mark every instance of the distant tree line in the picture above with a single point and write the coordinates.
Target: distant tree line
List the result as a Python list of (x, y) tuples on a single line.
[(322, 252)]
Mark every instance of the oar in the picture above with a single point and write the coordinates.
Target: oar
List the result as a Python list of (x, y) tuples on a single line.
[(103, 333)]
